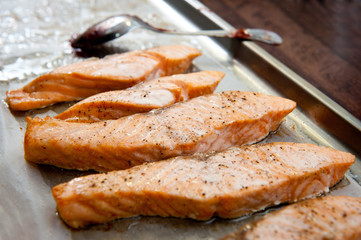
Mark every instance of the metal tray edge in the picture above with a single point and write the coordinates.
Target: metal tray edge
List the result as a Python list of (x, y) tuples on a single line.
[(321, 109)]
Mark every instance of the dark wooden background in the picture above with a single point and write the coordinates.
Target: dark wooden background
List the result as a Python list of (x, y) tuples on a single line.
[(322, 40)]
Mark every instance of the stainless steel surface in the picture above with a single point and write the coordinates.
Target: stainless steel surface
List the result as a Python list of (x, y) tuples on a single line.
[(34, 40), (322, 110), (116, 26)]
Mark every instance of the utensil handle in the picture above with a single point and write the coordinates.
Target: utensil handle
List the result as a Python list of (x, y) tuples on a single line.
[(260, 35)]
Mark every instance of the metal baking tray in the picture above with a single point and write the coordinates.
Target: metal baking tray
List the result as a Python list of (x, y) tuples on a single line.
[(34, 40)]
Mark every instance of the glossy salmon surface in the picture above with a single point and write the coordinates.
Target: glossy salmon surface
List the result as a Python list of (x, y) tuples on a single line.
[(143, 97), (228, 184), (331, 217), (207, 123), (83, 79)]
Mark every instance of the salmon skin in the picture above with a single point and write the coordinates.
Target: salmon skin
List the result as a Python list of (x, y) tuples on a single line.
[(143, 97), (83, 79), (228, 184), (207, 123), (331, 217)]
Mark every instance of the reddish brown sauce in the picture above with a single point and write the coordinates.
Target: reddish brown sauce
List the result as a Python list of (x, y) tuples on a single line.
[(240, 33), (99, 51)]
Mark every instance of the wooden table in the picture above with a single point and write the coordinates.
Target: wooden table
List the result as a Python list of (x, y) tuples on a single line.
[(322, 40)]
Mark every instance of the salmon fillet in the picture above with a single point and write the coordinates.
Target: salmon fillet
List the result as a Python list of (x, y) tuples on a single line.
[(143, 97), (207, 123), (228, 184), (331, 217), (118, 71)]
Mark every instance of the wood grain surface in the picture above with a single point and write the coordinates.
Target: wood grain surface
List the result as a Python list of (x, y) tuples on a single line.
[(322, 40)]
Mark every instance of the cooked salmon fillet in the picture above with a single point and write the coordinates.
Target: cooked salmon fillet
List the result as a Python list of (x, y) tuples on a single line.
[(228, 184), (118, 71), (207, 123), (143, 97), (331, 217)]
